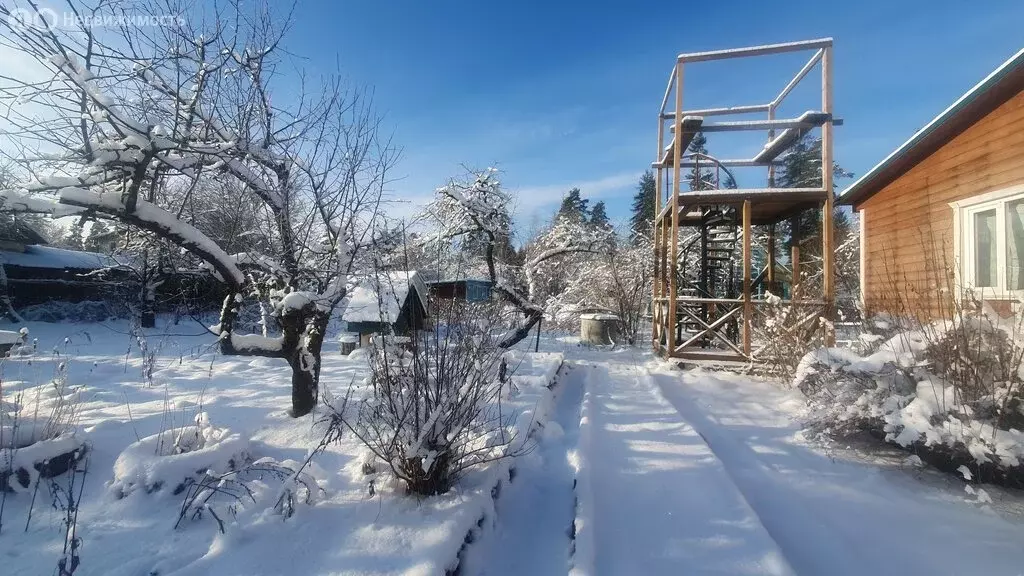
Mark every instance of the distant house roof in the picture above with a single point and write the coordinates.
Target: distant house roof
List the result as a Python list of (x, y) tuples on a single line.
[(14, 230), (1003, 83), (459, 280), (381, 299), (47, 257)]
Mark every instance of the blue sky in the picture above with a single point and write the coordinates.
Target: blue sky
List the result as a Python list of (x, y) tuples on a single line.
[(558, 94)]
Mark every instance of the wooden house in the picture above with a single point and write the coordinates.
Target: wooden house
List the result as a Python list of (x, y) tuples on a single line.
[(464, 289), (35, 273), (393, 303), (944, 212)]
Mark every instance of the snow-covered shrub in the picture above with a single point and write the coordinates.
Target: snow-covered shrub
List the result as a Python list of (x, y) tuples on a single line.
[(216, 494), (472, 214), (434, 409), (38, 436), (949, 390), (876, 331), (980, 355), (280, 485), (615, 280), (786, 331), (176, 457)]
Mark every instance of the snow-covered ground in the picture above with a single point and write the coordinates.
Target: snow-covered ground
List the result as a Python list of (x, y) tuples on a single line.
[(637, 468), (345, 531)]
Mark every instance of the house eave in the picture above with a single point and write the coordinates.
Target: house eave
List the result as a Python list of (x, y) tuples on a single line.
[(1002, 84)]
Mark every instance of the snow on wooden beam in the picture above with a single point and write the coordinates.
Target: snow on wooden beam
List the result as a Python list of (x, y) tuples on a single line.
[(807, 120), (755, 50), (727, 163), (689, 200), (691, 125), (789, 137), (704, 197)]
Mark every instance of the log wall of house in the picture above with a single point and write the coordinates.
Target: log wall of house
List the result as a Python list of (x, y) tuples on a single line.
[(908, 225)]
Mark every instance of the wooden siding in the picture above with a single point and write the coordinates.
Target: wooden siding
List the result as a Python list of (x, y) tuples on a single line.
[(908, 225)]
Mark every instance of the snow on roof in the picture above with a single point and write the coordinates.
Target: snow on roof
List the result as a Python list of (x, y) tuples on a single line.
[(14, 230), (460, 279), (49, 257), (364, 304), (853, 189)]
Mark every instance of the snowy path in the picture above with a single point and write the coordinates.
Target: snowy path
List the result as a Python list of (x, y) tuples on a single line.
[(535, 512), (707, 473), (657, 500), (831, 516)]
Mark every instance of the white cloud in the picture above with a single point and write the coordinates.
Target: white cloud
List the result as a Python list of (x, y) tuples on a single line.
[(533, 198)]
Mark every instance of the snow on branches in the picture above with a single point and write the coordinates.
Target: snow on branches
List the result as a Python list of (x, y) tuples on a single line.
[(156, 129), (474, 211)]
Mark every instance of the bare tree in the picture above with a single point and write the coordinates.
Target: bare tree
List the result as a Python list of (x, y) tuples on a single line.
[(477, 207), (123, 118), (617, 281), (435, 407)]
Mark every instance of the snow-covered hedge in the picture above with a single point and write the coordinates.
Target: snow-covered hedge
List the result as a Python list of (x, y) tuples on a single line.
[(949, 392), (173, 457), (22, 464)]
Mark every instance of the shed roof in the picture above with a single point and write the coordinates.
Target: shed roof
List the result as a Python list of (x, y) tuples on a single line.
[(49, 257), (381, 298), (1003, 83), (15, 230)]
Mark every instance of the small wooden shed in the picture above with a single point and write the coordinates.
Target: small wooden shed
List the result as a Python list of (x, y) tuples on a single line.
[(391, 303), (465, 289)]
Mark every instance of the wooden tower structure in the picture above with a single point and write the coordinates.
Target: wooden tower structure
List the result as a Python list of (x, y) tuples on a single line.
[(710, 313)]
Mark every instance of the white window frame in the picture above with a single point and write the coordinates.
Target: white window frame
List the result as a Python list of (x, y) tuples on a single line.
[(963, 246)]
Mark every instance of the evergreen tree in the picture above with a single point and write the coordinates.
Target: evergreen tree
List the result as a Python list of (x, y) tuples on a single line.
[(101, 238), (700, 177), (643, 204), (574, 207), (801, 168), (599, 216), (73, 237), (728, 182)]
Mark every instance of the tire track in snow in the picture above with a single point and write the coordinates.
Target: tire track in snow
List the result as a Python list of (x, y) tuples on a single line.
[(814, 542), (661, 502)]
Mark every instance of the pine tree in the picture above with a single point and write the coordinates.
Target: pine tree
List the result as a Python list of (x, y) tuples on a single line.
[(643, 204), (728, 182), (801, 168), (700, 177), (599, 216), (574, 208)]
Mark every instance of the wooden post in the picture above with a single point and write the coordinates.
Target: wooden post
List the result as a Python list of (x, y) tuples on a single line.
[(677, 155), (794, 254), (536, 347), (748, 311), (771, 227), (657, 291), (771, 136), (827, 227)]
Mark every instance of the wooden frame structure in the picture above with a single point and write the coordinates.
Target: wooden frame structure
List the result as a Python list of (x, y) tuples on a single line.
[(698, 325)]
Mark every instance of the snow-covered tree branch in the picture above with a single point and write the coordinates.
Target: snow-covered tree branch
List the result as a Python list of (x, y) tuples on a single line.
[(477, 207), (147, 125)]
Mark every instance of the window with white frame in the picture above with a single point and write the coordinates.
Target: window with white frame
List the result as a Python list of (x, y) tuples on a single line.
[(990, 241)]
